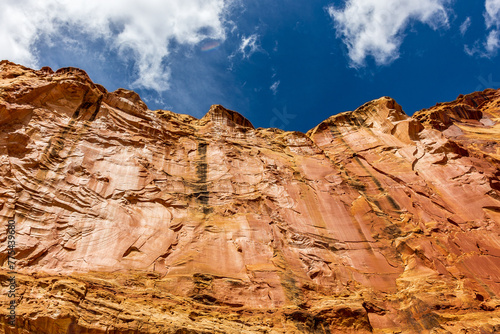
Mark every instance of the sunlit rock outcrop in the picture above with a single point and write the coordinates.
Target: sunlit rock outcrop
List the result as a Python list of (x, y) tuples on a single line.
[(130, 220)]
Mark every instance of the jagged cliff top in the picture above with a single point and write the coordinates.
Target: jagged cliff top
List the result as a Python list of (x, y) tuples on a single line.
[(381, 113)]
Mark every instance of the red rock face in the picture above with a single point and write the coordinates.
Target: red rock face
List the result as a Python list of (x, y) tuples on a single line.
[(137, 221)]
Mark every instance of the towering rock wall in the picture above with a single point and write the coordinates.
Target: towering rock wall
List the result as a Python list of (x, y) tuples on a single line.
[(130, 220)]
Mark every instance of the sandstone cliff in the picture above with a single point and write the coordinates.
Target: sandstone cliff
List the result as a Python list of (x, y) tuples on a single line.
[(130, 220)]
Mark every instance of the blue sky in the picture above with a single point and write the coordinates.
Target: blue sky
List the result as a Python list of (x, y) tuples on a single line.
[(286, 64)]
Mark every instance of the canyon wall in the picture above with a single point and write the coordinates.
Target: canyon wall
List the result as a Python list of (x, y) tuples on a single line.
[(130, 220)]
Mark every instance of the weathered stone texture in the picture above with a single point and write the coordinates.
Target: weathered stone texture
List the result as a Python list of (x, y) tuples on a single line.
[(130, 220)]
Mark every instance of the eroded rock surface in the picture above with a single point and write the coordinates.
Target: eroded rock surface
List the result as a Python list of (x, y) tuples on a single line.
[(130, 220)]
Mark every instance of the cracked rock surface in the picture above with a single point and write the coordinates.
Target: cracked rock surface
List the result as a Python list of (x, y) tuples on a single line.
[(130, 220)]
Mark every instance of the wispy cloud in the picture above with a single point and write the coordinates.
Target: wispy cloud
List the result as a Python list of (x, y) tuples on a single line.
[(141, 31), (274, 87), (492, 19), (491, 15), (492, 42), (465, 26), (249, 45), (488, 48), (375, 27)]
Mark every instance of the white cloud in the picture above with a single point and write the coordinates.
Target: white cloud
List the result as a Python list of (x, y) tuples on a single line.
[(375, 27), (492, 42), (488, 48), (492, 15), (274, 87), (249, 45), (472, 50), (140, 30), (465, 26), (492, 20)]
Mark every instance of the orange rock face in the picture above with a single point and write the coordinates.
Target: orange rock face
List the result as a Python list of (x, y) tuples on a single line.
[(130, 220)]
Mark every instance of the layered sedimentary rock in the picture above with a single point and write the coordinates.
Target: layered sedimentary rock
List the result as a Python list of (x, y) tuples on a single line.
[(130, 220)]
